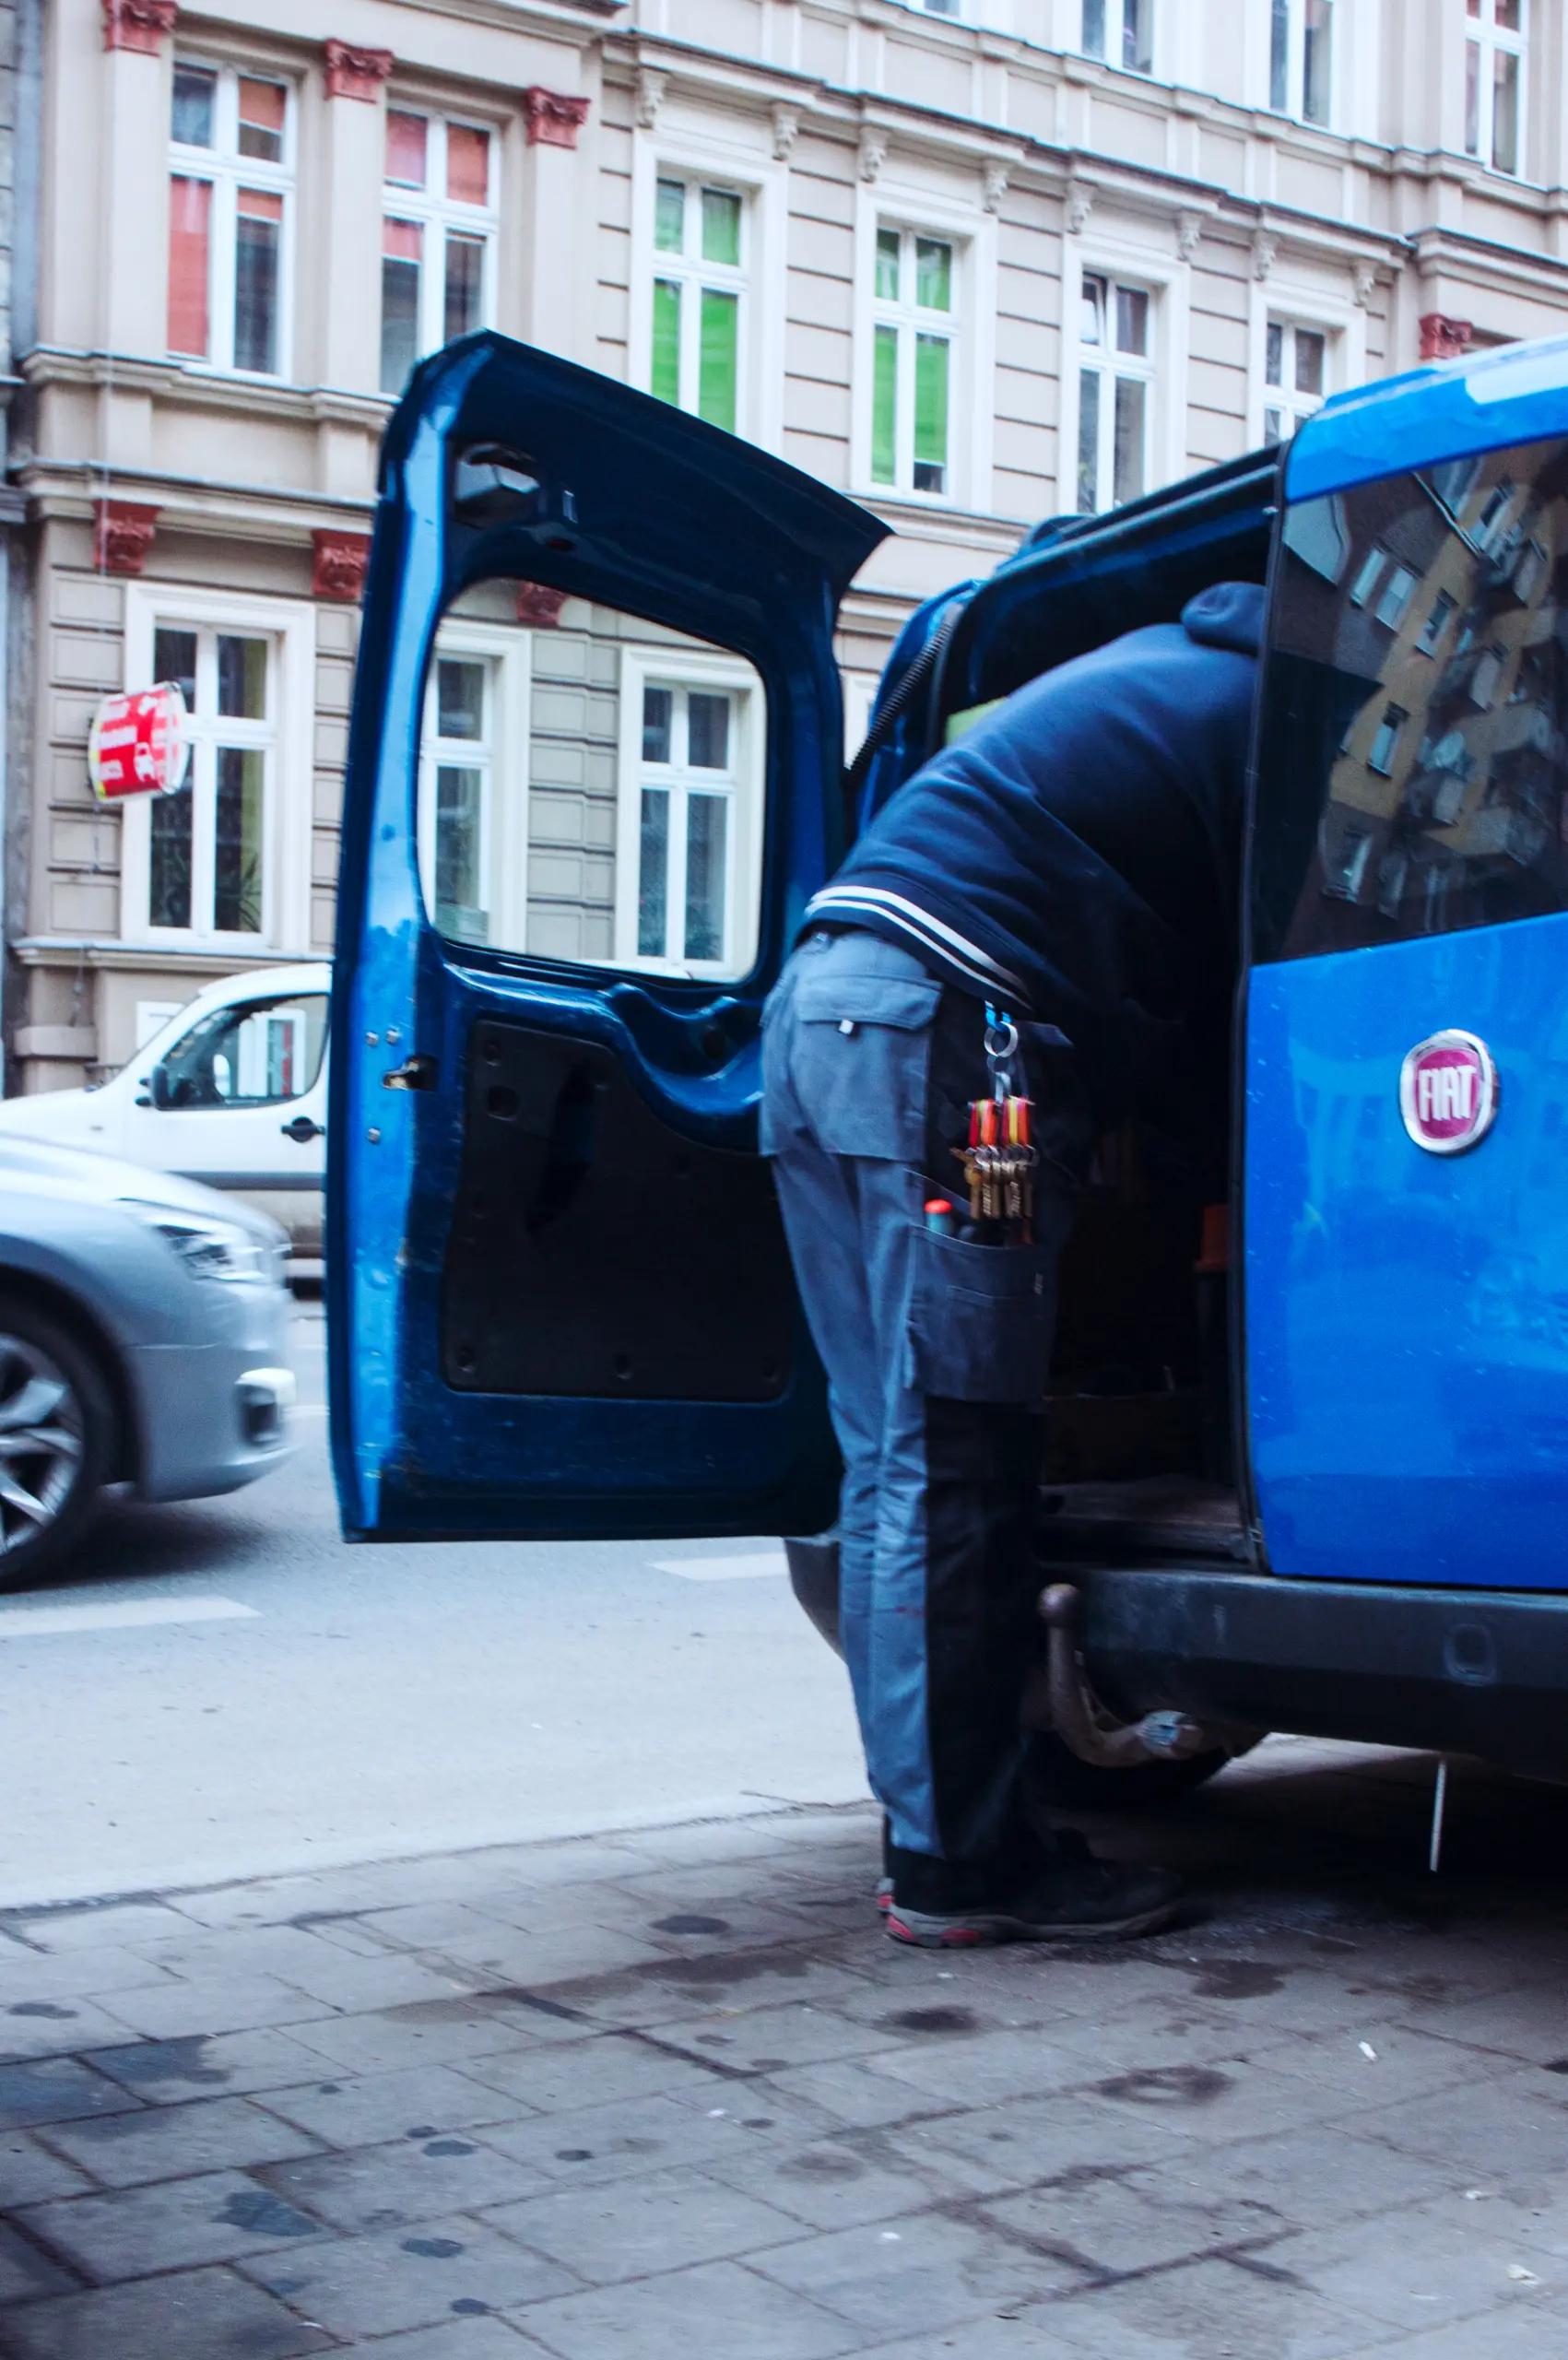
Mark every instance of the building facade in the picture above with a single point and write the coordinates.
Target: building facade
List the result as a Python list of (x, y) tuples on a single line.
[(974, 262)]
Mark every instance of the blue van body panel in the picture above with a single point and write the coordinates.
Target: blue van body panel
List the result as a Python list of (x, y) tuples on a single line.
[(1407, 1314), (657, 514), (1485, 402)]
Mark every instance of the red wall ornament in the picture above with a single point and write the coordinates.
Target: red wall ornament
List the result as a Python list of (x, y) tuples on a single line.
[(539, 604), (355, 73), (139, 25), (122, 534), (553, 119), (338, 566), (1443, 338)]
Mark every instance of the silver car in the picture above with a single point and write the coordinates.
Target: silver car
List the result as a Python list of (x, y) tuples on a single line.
[(143, 1327)]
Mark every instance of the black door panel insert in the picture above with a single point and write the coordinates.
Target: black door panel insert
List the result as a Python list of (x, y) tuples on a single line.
[(594, 1251)]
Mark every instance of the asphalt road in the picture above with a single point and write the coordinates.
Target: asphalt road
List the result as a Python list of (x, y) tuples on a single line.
[(315, 1704)]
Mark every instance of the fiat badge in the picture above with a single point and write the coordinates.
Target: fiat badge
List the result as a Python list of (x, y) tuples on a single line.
[(1448, 1092)]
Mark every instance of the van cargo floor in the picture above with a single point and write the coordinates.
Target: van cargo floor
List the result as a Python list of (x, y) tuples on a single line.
[(1159, 1516)]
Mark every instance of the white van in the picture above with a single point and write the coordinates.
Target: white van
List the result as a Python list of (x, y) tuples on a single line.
[(232, 1090)]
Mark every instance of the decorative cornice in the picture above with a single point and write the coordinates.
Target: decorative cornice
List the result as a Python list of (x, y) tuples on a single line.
[(1444, 339), (138, 25), (356, 73), (873, 149), (122, 534), (786, 128), (538, 605), (651, 86), (553, 119), (338, 566)]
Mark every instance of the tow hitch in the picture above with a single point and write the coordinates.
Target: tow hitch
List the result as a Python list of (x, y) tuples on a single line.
[(1088, 1729)]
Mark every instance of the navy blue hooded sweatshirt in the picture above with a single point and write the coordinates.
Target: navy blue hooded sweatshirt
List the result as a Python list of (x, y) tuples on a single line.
[(1077, 857)]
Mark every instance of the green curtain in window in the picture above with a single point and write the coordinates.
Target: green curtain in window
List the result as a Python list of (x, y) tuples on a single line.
[(665, 379), (669, 218), (721, 226), (885, 407), (930, 412), (933, 275), (719, 358), (887, 265)]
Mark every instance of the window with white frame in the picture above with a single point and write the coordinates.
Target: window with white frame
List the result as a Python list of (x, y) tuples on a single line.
[(699, 233), (1121, 31), (1295, 365), (1494, 83), (438, 238), (685, 819), (1300, 59), (691, 814), (1115, 392), (208, 868), (914, 327), (230, 191), (473, 783)]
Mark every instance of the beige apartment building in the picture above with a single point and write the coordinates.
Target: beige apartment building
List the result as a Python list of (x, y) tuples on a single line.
[(974, 261)]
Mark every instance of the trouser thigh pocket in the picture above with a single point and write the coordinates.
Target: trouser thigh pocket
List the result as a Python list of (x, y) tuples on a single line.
[(982, 1319)]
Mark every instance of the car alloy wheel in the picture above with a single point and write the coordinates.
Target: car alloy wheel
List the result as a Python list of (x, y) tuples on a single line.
[(41, 1441)]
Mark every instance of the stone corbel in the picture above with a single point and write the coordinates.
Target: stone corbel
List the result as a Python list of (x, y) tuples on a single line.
[(138, 25), (1361, 285), (650, 96), (1079, 204), (995, 188), (1444, 339), (786, 130), (873, 149), (1265, 246), (553, 119), (355, 73), (122, 534), (338, 566), (539, 606), (1189, 233)]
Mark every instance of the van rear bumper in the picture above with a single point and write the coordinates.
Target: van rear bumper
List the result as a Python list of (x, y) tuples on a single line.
[(1460, 1671), (1455, 1671)]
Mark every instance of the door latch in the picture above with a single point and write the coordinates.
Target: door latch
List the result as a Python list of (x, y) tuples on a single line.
[(414, 1073)]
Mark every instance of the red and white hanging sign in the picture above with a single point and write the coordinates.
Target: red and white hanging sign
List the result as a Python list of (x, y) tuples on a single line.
[(1448, 1092), (139, 744)]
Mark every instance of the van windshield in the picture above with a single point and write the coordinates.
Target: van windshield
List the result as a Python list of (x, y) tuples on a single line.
[(1411, 773)]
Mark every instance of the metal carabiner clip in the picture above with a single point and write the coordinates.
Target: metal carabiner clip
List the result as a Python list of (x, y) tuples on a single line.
[(1001, 1044)]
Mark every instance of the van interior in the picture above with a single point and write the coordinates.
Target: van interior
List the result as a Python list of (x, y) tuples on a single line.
[(1141, 1461)]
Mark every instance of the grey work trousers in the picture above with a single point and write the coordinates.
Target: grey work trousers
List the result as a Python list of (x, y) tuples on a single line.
[(937, 1352)]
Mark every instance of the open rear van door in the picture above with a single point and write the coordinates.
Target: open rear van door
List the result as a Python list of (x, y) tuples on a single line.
[(593, 777)]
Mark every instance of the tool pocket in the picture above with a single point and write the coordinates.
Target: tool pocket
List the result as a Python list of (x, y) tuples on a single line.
[(981, 1319), (862, 1049)]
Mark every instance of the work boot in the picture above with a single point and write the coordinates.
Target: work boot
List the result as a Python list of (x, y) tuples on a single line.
[(1073, 1898)]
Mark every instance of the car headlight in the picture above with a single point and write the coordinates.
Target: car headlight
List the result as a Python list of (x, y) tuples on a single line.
[(210, 1249)]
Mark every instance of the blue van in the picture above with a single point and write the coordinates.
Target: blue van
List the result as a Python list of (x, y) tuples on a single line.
[(1309, 1452)]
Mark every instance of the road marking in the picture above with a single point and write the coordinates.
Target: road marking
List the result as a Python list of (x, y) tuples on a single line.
[(724, 1569), (126, 1614)]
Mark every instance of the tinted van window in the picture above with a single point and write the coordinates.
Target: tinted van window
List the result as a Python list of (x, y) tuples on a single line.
[(1416, 699)]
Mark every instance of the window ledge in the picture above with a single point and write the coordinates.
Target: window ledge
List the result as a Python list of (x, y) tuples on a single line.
[(52, 950)]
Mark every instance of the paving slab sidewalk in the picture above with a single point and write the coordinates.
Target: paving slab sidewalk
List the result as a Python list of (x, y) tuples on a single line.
[(673, 2092)]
